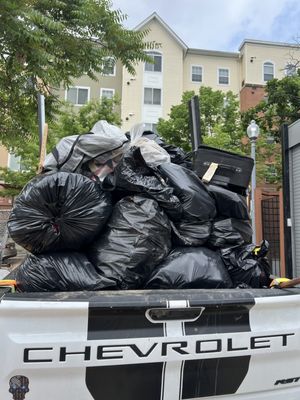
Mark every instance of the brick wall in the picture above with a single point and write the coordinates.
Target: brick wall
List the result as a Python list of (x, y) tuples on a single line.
[(250, 96), (5, 202)]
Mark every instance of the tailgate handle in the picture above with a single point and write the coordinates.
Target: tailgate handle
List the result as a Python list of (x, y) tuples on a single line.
[(160, 315)]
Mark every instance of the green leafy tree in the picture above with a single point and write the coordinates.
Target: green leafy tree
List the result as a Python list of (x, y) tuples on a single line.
[(220, 121), (281, 105), (46, 43), (176, 129), (68, 122)]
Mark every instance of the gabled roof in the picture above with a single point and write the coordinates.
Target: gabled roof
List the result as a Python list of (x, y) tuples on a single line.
[(154, 15)]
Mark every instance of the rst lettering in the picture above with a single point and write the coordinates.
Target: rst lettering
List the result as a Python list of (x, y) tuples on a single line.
[(286, 381)]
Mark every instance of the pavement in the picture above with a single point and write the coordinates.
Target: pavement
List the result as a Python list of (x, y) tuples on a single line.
[(12, 263)]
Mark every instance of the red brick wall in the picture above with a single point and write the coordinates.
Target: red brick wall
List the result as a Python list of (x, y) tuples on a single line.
[(5, 202), (250, 96)]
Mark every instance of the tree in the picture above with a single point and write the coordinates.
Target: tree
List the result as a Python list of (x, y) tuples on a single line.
[(220, 121), (68, 122), (46, 43), (281, 105)]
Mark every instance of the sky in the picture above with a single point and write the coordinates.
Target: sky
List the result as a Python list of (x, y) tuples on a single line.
[(220, 24)]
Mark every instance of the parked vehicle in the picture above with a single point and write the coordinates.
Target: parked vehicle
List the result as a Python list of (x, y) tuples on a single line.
[(217, 342)]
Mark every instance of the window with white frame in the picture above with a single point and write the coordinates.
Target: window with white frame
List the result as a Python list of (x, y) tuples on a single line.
[(109, 67), (290, 69), (107, 93), (156, 66), (152, 96), (151, 127), (196, 73), (268, 71), (78, 95), (223, 76)]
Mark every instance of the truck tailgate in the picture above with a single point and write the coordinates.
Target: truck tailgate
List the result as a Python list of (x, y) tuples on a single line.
[(151, 345)]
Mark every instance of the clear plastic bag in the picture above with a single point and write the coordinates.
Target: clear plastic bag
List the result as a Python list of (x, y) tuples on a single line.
[(100, 149)]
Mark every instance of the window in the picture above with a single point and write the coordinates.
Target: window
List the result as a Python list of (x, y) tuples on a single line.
[(223, 76), (151, 127), (14, 162), (290, 69), (107, 93), (78, 95), (109, 67), (152, 96), (157, 66), (196, 73), (268, 71)]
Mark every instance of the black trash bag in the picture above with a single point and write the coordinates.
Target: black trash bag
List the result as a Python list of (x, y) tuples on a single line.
[(248, 265), (191, 233), (137, 238), (230, 232), (58, 211), (59, 272), (178, 156), (190, 268), (228, 203), (196, 201), (132, 175)]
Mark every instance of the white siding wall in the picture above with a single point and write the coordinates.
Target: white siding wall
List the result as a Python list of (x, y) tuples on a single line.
[(295, 206)]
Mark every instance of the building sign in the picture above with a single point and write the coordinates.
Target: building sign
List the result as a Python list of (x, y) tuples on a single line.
[(153, 45)]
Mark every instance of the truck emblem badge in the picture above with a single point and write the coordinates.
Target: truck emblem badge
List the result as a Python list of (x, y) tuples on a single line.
[(18, 387)]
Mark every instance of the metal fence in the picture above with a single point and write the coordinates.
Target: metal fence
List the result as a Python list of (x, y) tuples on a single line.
[(270, 208)]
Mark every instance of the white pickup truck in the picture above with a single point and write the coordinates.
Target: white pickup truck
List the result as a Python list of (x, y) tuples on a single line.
[(151, 345)]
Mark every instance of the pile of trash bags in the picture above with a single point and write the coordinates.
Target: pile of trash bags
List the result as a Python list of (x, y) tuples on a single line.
[(115, 211)]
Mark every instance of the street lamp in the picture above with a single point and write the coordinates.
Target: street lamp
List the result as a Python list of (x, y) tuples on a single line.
[(253, 132)]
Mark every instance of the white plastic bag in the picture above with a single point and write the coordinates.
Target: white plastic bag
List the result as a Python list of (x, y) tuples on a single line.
[(153, 154)]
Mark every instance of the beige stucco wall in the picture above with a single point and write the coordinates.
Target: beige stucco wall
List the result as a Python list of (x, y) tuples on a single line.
[(260, 53), (210, 65), (107, 82), (243, 66), (132, 94), (3, 156), (172, 77)]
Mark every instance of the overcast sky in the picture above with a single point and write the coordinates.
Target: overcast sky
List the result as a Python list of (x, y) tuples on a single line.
[(220, 24)]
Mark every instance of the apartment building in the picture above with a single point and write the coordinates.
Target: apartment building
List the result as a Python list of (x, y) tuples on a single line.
[(150, 94)]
